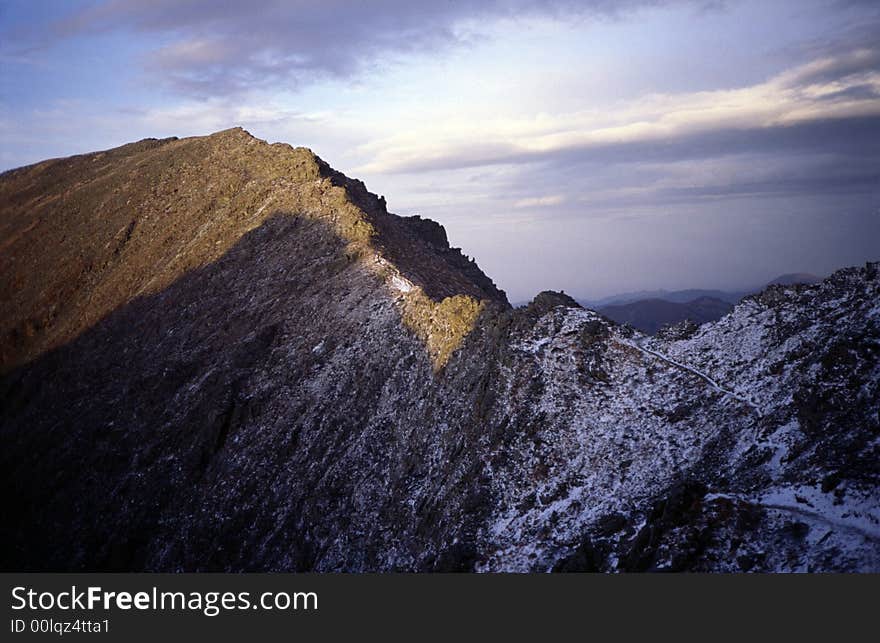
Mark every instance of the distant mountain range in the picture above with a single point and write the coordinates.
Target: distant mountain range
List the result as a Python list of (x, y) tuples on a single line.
[(649, 310), (690, 294), (649, 315), (675, 296)]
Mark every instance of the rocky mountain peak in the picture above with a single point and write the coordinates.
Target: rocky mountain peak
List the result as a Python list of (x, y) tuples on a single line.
[(109, 226)]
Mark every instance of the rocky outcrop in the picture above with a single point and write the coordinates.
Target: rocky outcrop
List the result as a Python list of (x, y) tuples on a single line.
[(223, 355)]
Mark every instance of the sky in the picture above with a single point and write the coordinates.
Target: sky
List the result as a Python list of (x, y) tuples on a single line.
[(594, 147)]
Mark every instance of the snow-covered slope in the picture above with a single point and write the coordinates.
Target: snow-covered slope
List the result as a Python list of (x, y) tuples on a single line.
[(752, 445)]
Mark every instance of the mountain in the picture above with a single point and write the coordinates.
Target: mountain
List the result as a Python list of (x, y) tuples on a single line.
[(690, 294), (221, 354), (649, 315), (674, 296), (649, 311)]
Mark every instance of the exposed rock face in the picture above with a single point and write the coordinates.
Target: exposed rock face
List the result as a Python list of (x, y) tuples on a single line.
[(223, 355)]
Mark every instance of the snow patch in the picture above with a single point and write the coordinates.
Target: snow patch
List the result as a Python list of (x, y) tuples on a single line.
[(401, 284)]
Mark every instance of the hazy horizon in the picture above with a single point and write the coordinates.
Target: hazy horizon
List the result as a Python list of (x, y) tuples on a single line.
[(591, 147)]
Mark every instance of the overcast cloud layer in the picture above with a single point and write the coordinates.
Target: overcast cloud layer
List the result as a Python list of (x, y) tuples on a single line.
[(592, 146)]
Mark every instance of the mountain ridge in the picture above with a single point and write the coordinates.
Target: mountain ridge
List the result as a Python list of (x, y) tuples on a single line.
[(249, 180), (290, 399)]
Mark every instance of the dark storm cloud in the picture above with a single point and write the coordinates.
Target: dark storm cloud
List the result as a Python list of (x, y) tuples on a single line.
[(223, 47)]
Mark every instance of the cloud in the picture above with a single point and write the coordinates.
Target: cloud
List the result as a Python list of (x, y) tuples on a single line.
[(814, 128), (539, 202), (225, 47), (817, 159), (819, 105)]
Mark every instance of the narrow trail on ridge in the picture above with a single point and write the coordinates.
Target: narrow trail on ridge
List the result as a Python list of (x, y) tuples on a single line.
[(703, 376)]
